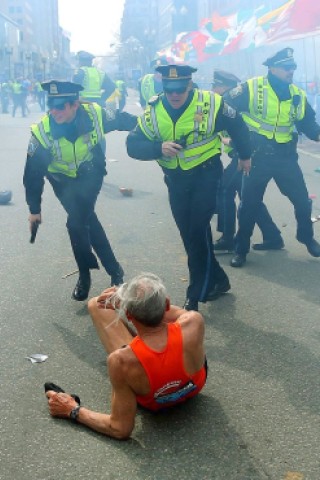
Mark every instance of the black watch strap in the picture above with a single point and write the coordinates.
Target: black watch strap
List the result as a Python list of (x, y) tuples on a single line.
[(75, 413)]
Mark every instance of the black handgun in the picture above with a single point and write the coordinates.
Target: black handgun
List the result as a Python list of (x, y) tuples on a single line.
[(182, 141), (34, 230)]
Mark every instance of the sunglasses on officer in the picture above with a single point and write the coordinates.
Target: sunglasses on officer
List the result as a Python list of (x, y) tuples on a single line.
[(177, 90), (288, 68), (59, 106)]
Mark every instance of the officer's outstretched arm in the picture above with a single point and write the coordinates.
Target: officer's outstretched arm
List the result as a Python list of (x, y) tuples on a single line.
[(141, 148)]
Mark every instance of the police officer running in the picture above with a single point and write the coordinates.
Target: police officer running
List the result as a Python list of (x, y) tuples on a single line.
[(273, 107), (231, 185), (97, 86), (179, 129), (65, 147)]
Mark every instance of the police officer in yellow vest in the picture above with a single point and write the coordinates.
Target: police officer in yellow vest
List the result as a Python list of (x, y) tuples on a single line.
[(151, 84), (65, 147), (273, 107), (18, 97), (97, 86), (231, 186), (179, 128)]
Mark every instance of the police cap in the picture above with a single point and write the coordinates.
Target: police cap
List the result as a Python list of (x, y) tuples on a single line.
[(220, 77), (60, 92), (82, 54), (283, 58), (175, 76)]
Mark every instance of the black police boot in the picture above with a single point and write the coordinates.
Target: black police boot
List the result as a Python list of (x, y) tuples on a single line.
[(191, 304), (238, 260), (313, 248), (218, 289), (117, 277), (224, 244), (82, 288), (269, 245)]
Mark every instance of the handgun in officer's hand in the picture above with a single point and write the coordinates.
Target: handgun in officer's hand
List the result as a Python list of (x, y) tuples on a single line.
[(34, 230)]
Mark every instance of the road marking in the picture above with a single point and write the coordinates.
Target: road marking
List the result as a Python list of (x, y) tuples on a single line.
[(294, 476), (314, 155)]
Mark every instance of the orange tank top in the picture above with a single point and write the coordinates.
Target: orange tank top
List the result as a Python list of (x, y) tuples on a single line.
[(169, 382)]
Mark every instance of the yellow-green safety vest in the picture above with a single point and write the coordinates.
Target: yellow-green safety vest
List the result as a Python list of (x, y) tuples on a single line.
[(92, 82), (68, 156), (120, 85), (199, 119), (270, 117), (147, 87), (16, 87)]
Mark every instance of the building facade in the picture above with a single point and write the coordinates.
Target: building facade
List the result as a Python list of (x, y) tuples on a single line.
[(33, 44)]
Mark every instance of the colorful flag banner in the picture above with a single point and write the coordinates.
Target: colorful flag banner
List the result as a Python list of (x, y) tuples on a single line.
[(244, 29)]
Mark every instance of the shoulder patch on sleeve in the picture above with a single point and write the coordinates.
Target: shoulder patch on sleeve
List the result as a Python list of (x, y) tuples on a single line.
[(153, 100), (228, 111), (110, 114), (33, 145), (236, 91)]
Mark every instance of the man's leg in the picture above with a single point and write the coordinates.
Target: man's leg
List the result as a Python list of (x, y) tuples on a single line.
[(253, 188), (112, 332), (78, 202), (227, 207), (271, 235), (193, 204), (102, 247), (291, 183)]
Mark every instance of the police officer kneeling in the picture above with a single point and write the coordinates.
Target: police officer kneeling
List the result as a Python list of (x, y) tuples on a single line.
[(65, 147), (179, 129)]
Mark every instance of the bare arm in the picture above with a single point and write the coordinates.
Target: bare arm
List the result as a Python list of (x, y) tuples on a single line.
[(120, 423)]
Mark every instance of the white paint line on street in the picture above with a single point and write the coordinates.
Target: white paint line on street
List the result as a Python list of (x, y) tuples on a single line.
[(314, 155)]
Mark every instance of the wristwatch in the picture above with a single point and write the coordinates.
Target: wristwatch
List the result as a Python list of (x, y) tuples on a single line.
[(75, 413)]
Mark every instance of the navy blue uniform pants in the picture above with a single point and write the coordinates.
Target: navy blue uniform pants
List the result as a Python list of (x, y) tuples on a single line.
[(231, 185), (285, 171), (78, 197), (192, 197)]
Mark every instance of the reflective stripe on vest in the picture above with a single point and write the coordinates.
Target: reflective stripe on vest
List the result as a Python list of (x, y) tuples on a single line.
[(147, 87), (269, 116), (197, 123), (67, 157), (92, 83)]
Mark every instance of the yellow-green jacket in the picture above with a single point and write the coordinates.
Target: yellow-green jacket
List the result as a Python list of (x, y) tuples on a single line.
[(92, 82), (196, 124), (147, 87), (270, 117), (67, 156)]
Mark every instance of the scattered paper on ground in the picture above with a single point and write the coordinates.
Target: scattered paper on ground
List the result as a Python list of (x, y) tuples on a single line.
[(37, 358)]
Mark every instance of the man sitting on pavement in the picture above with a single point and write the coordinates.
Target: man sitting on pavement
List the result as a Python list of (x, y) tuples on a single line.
[(162, 365)]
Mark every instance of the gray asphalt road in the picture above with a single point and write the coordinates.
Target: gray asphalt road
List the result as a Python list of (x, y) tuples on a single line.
[(258, 417)]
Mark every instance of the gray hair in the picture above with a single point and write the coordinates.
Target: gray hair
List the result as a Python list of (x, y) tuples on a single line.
[(144, 297)]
